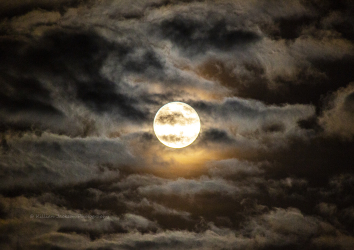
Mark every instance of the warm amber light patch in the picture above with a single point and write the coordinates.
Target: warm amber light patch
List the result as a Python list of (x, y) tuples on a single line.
[(176, 125)]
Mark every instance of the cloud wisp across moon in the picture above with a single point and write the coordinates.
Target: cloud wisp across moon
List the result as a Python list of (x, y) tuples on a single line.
[(176, 125)]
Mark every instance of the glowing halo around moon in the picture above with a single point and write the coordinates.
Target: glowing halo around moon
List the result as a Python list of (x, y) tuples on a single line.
[(176, 125)]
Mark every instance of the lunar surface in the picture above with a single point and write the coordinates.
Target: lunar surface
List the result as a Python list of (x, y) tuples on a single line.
[(176, 125)]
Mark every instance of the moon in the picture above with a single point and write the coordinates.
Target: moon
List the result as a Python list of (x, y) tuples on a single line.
[(176, 125)]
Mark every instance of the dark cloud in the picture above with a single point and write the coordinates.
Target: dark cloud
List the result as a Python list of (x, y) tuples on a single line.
[(308, 84), (290, 28), (95, 160), (78, 56), (10, 9), (81, 82), (172, 138), (233, 168), (64, 65), (173, 118), (272, 128), (197, 37), (216, 135), (337, 118)]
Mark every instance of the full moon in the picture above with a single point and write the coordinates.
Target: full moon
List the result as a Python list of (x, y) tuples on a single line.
[(176, 125)]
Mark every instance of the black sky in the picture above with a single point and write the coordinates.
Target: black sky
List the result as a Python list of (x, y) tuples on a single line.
[(81, 82)]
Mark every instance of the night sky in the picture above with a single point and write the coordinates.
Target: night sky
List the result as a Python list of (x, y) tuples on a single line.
[(272, 82)]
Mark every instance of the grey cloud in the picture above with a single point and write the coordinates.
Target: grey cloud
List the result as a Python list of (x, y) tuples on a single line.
[(340, 242), (14, 8), (140, 60), (80, 82), (56, 160), (173, 118), (216, 135), (338, 118), (57, 240), (234, 167), (194, 36), (78, 57), (132, 221), (247, 117), (82, 74), (62, 62), (179, 240), (287, 189), (275, 71), (34, 213), (159, 209), (29, 229), (190, 187), (289, 225), (327, 209), (346, 217), (260, 232), (298, 158), (134, 181)]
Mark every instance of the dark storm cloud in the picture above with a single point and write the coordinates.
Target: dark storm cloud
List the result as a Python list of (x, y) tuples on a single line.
[(10, 9), (80, 83), (196, 36)]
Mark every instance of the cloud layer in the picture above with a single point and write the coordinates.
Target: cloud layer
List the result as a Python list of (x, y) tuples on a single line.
[(81, 82)]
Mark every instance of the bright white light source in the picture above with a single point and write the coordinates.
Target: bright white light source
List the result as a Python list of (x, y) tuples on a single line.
[(176, 125)]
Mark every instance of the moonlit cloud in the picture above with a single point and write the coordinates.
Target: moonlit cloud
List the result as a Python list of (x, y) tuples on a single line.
[(337, 119)]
